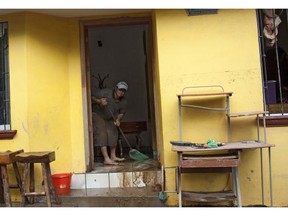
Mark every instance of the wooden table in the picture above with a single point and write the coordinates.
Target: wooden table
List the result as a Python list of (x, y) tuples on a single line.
[(226, 146), (215, 161)]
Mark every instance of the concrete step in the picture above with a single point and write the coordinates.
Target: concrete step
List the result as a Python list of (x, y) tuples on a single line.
[(131, 184), (113, 197)]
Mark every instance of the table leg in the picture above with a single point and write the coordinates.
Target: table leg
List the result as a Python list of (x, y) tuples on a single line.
[(262, 179), (233, 187), (238, 192), (179, 180), (270, 176)]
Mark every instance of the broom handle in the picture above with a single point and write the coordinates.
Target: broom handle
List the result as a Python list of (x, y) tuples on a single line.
[(126, 140), (124, 137)]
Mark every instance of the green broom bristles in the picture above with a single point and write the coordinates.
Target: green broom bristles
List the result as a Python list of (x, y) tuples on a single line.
[(138, 156)]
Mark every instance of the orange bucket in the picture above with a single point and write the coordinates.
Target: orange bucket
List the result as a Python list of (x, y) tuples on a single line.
[(62, 182)]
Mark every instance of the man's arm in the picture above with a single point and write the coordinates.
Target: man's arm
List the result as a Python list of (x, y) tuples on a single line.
[(118, 119), (101, 101)]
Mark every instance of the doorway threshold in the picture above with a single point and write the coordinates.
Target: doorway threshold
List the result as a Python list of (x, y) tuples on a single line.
[(128, 166), (137, 174)]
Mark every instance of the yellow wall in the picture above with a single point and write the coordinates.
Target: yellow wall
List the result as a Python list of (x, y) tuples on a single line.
[(214, 49), (47, 93), (46, 90), (217, 49)]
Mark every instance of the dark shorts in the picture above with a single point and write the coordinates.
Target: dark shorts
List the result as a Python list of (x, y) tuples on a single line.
[(105, 132)]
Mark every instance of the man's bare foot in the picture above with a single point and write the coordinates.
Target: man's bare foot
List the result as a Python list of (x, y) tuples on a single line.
[(110, 162), (118, 159)]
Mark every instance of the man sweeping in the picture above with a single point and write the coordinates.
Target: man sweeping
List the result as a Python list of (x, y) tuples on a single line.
[(106, 102)]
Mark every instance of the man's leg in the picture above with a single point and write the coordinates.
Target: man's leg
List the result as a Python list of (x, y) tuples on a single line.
[(113, 134), (107, 159), (113, 155)]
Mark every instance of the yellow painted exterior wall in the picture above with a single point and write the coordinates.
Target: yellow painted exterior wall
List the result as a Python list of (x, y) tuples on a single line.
[(48, 93), (45, 89), (219, 49)]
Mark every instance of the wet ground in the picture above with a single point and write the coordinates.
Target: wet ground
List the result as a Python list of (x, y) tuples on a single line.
[(128, 166), (147, 196), (110, 197)]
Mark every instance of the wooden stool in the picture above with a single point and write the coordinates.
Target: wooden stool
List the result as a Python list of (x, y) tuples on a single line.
[(30, 158), (7, 158)]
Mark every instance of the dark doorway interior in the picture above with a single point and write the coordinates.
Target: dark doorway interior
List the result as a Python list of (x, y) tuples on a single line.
[(120, 53)]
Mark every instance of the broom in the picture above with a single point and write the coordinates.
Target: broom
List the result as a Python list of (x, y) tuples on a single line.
[(133, 153)]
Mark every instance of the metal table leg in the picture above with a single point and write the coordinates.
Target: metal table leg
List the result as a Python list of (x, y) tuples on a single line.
[(179, 189), (262, 179), (238, 192), (270, 176)]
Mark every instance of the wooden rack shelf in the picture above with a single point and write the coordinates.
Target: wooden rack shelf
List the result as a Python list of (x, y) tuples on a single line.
[(245, 114), (188, 162), (218, 196)]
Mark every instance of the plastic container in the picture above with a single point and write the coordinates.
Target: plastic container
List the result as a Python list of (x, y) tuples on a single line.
[(270, 92), (62, 183)]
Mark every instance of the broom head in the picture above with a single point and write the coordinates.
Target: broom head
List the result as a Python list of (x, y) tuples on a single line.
[(138, 156)]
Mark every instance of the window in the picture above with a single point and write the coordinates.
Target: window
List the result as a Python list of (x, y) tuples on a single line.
[(193, 12), (4, 79), (273, 37)]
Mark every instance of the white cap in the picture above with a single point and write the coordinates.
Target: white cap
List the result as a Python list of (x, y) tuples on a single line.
[(122, 85)]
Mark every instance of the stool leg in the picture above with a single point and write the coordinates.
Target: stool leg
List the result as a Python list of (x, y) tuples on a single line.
[(32, 182), (5, 181), (18, 178), (51, 186), (25, 175), (46, 184), (1, 189), (52, 189)]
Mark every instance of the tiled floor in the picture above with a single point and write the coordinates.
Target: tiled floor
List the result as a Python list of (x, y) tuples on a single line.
[(128, 174)]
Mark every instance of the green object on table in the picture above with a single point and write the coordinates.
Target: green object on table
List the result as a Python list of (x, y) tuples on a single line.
[(162, 196), (211, 143)]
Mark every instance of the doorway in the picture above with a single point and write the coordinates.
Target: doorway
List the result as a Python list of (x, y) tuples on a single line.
[(120, 50)]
